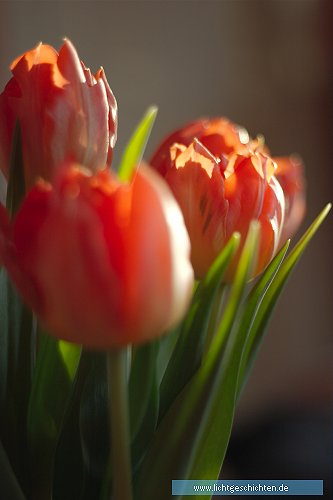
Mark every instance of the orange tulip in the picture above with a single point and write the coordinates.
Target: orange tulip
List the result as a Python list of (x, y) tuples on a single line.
[(217, 202), (222, 180), (63, 110), (102, 264)]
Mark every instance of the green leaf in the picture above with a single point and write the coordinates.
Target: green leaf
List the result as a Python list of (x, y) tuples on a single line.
[(167, 345), (214, 441), (187, 354), (9, 487), (82, 451), (16, 340), (94, 420), (269, 301), (192, 416), (56, 365), (255, 316), (143, 398), (69, 474), (252, 305), (135, 149), (16, 183), (16, 360)]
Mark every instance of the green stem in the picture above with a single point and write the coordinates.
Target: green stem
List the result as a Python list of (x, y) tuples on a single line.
[(215, 316), (119, 424)]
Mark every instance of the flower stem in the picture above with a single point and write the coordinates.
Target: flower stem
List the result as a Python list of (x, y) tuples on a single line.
[(119, 424)]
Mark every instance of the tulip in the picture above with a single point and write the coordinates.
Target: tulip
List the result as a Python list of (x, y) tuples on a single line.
[(221, 190), (63, 110), (102, 263), (290, 175)]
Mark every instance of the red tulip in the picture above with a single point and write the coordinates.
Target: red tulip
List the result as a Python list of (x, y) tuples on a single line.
[(63, 110), (102, 264), (290, 175)]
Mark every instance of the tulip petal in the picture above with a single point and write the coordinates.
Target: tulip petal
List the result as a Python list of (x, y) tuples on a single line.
[(291, 177), (113, 111), (202, 200), (178, 245), (271, 220)]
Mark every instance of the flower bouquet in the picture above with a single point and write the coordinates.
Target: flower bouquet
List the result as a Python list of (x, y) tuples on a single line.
[(132, 300)]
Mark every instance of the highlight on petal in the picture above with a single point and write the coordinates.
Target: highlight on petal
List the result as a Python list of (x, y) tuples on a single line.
[(177, 243), (219, 135), (290, 174)]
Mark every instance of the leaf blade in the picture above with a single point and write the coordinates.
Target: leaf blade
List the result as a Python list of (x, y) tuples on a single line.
[(274, 291), (194, 327), (56, 366), (136, 146), (181, 429)]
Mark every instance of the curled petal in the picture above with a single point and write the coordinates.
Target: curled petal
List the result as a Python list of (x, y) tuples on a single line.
[(198, 186)]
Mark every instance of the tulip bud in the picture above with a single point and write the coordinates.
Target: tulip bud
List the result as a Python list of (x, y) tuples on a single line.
[(102, 264), (63, 110)]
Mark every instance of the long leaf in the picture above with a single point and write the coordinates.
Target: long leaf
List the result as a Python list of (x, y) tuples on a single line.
[(69, 474), (178, 440), (9, 487), (94, 424), (135, 149), (143, 399), (269, 301), (259, 305), (16, 340), (253, 302), (214, 441), (56, 366), (16, 360), (187, 353)]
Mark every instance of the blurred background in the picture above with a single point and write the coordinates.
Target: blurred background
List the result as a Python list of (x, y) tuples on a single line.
[(267, 65)]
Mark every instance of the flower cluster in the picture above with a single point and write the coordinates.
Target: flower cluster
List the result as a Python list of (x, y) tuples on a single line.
[(104, 263), (101, 263)]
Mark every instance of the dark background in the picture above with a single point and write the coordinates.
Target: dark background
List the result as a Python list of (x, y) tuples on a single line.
[(266, 65)]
